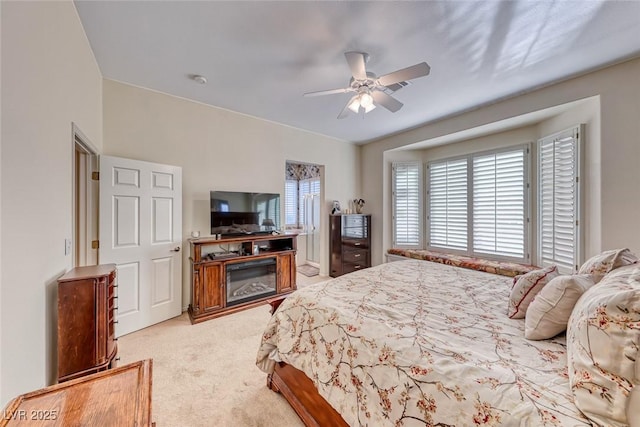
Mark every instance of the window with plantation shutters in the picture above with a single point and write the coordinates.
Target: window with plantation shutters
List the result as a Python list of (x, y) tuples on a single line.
[(478, 204), (558, 187), (499, 203), (406, 193), (448, 206), (294, 198)]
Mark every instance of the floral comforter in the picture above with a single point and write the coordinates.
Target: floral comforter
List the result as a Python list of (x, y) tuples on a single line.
[(413, 343)]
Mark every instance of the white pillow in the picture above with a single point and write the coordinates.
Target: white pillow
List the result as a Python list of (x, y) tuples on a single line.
[(603, 349), (601, 264), (525, 288), (549, 311)]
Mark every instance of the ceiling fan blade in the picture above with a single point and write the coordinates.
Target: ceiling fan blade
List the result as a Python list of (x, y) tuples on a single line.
[(345, 111), (387, 101), (413, 72), (329, 92), (356, 63)]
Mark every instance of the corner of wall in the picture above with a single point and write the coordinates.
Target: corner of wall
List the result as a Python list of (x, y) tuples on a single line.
[(2, 398)]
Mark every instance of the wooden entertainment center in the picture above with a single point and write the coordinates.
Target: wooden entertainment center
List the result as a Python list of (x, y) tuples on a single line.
[(238, 272)]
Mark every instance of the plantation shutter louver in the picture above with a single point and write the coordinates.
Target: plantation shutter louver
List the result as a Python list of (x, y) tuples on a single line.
[(303, 188), (448, 210), (290, 203), (306, 187), (558, 200), (499, 203), (315, 187), (406, 182)]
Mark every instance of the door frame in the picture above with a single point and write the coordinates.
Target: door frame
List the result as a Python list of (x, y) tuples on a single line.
[(85, 192), (323, 263)]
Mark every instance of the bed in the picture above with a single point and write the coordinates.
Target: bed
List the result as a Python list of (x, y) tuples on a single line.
[(413, 343)]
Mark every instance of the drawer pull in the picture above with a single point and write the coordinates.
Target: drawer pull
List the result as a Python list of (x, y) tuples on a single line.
[(357, 243), (356, 267), (357, 255)]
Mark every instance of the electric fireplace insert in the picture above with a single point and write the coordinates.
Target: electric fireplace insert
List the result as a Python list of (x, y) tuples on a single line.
[(250, 280)]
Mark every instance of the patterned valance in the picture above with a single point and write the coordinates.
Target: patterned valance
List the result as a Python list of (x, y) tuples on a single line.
[(300, 171)]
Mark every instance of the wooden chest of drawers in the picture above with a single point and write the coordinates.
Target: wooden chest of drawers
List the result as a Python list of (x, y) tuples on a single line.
[(349, 243), (86, 309)]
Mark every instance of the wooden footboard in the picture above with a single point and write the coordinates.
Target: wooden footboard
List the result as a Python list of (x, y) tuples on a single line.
[(303, 397), (300, 392)]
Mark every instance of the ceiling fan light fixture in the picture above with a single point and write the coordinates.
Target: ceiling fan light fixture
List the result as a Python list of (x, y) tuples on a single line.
[(355, 104), (366, 100), (366, 84)]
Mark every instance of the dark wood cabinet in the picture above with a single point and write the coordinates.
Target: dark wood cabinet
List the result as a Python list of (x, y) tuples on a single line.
[(349, 243), (86, 333), (286, 272), (212, 287), (235, 273)]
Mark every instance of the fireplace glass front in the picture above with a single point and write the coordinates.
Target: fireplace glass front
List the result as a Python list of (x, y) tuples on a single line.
[(250, 280)]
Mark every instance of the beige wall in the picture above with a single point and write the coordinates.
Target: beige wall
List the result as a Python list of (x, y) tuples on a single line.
[(49, 80), (1, 398), (220, 150), (615, 139)]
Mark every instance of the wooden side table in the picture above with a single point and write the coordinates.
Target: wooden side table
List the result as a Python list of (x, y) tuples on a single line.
[(118, 397)]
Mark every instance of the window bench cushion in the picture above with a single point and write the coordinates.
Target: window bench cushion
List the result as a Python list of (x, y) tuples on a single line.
[(503, 268)]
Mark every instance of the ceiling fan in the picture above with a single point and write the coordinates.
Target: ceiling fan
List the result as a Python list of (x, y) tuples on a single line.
[(371, 90)]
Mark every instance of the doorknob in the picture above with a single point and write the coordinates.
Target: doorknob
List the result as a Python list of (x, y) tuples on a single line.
[(176, 249)]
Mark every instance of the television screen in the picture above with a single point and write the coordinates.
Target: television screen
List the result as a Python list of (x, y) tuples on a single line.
[(237, 213)]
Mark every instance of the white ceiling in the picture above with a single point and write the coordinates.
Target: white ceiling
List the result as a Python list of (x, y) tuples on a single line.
[(261, 57)]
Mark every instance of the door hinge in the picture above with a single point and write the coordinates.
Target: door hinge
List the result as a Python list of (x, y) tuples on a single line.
[(95, 176), (577, 222), (95, 244)]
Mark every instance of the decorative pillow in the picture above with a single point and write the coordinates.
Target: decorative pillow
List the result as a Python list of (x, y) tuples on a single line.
[(549, 311), (525, 287), (603, 349), (601, 264)]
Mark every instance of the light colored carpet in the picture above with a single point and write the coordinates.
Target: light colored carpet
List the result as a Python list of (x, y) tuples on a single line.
[(205, 374)]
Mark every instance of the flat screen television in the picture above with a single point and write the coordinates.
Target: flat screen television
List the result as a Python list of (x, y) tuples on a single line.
[(235, 213)]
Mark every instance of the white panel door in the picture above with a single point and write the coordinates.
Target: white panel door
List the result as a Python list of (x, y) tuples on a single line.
[(141, 232)]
